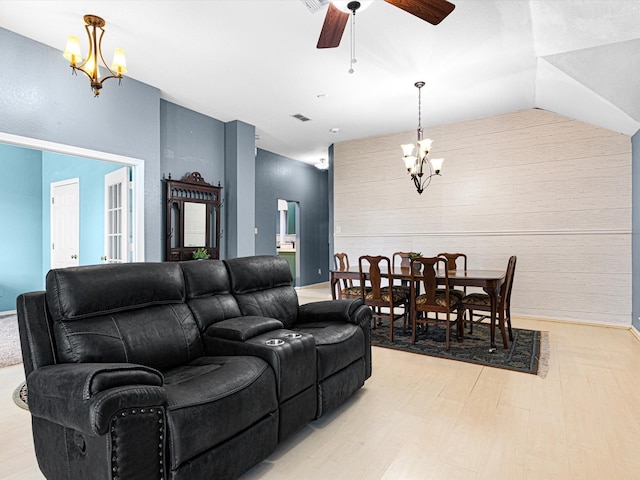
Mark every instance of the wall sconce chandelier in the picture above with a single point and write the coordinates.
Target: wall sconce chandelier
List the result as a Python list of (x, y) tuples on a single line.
[(90, 67), (419, 166)]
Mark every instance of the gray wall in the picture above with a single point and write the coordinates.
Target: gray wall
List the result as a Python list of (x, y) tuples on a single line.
[(635, 248), (240, 179), (192, 142), (39, 98), (280, 177)]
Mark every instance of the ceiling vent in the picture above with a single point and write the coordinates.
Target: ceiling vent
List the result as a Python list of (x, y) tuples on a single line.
[(301, 117), (315, 5)]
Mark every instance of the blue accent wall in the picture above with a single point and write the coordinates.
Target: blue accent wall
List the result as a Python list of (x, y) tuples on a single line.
[(287, 179), (635, 237), (57, 167), (21, 239)]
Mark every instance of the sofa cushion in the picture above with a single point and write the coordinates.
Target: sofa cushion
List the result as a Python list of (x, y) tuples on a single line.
[(208, 291), (212, 399), (122, 313), (337, 345), (159, 336), (80, 292), (262, 287)]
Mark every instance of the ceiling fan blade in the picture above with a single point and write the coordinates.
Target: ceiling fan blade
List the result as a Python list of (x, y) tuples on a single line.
[(334, 23), (432, 11)]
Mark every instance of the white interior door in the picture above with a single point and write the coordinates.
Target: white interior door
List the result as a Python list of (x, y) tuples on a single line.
[(65, 223), (116, 217)]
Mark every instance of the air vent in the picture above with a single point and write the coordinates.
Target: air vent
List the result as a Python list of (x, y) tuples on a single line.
[(301, 117), (315, 5)]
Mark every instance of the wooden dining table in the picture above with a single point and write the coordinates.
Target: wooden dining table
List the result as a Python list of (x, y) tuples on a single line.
[(489, 280)]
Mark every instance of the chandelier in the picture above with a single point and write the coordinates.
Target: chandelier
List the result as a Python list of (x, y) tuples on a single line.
[(90, 67), (419, 166)]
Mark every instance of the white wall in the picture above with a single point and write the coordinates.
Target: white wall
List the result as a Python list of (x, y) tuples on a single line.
[(554, 191)]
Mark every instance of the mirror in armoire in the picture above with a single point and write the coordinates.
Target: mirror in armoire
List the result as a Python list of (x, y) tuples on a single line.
[(192, 217)]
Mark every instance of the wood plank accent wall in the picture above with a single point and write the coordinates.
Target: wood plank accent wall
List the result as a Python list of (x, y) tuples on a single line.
[(554, 191)]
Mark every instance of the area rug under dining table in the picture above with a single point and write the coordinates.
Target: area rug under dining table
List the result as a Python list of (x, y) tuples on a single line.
[(527, 353)]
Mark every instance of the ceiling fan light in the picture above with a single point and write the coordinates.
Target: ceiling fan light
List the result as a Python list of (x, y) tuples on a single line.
[(342, 5)]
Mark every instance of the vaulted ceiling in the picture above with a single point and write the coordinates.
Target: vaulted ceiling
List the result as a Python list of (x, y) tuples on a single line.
[(256, 61)]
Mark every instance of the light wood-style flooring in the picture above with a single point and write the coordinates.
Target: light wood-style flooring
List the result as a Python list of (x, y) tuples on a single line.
[(419, 417)]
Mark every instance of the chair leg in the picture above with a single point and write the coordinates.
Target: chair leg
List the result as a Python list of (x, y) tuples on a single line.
[(413, 326), (508, 318), (470, 321), (460, 323), (448, 331)]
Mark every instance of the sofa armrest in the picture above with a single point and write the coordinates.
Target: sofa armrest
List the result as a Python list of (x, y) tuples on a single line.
[(85, 396), (241, 329), (351, 311)]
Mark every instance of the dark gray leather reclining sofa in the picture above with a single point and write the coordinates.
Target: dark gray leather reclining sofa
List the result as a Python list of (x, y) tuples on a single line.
[(193, 370)]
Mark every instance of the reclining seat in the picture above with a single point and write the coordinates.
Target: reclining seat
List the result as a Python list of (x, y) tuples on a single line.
[(119, 386), (226, 331), (262, 286)]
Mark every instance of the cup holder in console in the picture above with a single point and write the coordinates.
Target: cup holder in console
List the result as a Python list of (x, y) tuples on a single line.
[(274, 342), (292, 335)]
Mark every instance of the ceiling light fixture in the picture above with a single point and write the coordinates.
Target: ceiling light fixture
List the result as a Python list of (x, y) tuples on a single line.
[(322, 164), (90, 67), (416, 156), (352, 7)]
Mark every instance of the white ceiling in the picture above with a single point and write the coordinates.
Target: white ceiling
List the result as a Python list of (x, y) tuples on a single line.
[(256, 61)]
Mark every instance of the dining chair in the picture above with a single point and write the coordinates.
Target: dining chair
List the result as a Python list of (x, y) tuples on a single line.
[(403, 260), (424, 273), (379, 296), (348, 290), (482, 301)]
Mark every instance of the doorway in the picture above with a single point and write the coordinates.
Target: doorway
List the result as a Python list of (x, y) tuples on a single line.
[(30, 216), (136, 165), (288, 236)]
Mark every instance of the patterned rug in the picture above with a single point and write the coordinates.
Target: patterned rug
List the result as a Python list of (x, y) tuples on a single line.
[(10, 353), (527, 353)]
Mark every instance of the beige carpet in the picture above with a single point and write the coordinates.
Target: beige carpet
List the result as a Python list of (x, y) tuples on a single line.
[(10, 353)]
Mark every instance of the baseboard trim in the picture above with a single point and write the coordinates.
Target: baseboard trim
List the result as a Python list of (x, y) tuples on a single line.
[(635, 332), (313, 285), (572, 321)]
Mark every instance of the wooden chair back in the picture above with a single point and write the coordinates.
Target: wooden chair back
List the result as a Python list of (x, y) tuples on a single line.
[(342, 263), (424, 279), (505, 291), (374, 277), (402, 259), (452, 260)]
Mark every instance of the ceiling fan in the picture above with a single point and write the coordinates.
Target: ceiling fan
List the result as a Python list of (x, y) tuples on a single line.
[(335, 21)]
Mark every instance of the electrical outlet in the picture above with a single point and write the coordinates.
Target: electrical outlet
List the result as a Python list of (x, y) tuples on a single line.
[(319, 271)]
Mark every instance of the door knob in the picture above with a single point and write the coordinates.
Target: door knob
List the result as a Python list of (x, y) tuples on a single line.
[(103, 258)]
